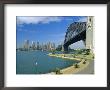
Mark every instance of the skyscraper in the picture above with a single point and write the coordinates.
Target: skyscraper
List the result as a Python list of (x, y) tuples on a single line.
[(53, 45), (38, 46), (33, 45), (26, 44)]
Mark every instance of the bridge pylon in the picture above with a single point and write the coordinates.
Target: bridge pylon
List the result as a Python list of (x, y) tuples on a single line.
[(89, 33)]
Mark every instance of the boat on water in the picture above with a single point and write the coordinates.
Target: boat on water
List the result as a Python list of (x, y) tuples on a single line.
[(36, 63)]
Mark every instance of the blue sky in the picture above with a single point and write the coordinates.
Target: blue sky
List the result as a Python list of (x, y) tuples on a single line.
[(45, 29)]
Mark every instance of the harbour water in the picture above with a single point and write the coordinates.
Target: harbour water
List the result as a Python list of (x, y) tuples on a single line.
[(38, 62)]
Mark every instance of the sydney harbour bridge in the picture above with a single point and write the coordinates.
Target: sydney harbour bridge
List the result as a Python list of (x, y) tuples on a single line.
[(79, 31)]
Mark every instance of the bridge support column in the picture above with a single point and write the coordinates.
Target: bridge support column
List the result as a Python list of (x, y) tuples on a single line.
[(89, 33)]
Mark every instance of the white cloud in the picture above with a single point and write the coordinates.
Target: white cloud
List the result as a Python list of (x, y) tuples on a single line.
[(25, 30), (36, 20), (45, 19)]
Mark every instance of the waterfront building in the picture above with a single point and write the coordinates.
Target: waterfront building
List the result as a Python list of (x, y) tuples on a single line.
[(48, 46), (53, 45), (26, 44), (45, 46), (37, 46), (33, 45)]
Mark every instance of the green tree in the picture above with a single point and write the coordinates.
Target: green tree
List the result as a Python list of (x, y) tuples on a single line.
[(76, 65), (53, 51), (84, 62), (59, 48), (87, 51), (57, 71)]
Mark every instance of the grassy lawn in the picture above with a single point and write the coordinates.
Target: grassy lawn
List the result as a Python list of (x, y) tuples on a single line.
[(80, 56)]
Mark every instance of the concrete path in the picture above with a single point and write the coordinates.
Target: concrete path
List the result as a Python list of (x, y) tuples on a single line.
[(88, 70)]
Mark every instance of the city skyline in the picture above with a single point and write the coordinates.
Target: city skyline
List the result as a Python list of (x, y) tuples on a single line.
[(45, 29), (32, 45)]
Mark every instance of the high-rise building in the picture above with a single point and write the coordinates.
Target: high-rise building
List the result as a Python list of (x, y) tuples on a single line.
[(26, 44), (54, 45), (47, 46), (42, 46), (51, 46), (33, 45), (38, 46)]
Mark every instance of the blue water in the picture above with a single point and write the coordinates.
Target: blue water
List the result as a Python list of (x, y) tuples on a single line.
[(38, 62)]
